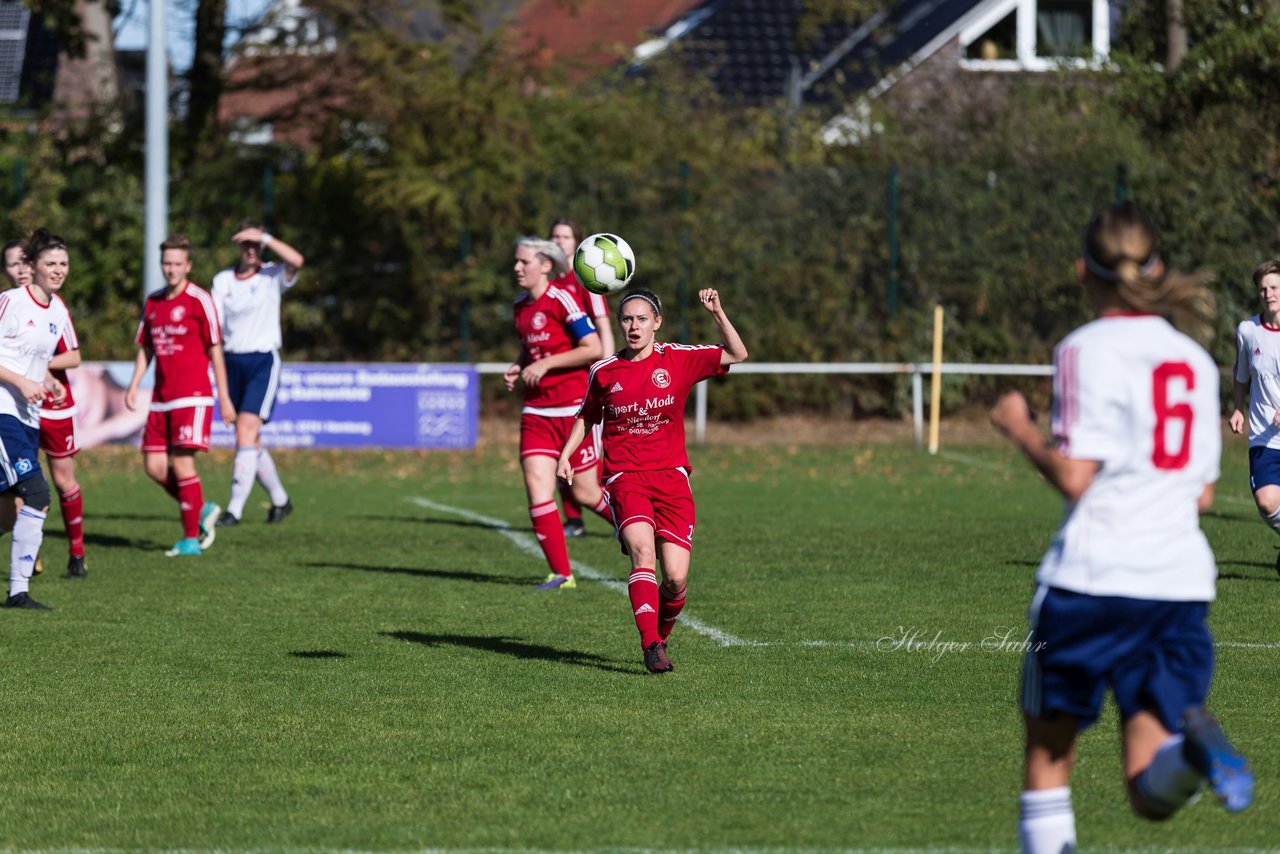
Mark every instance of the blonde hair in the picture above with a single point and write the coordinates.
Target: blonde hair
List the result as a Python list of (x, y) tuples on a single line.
[(1121, 250), (548, 250)]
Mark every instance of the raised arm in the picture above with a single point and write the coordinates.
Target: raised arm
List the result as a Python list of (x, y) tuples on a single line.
[(291, 257), (734, 350)]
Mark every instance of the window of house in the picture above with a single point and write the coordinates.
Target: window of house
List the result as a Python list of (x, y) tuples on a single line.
[(1063, 27), (999, 42)]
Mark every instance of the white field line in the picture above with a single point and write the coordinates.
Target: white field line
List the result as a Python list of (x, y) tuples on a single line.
[(527, 544)]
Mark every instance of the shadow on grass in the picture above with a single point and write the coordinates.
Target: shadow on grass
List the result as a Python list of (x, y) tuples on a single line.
[(137, 517), (317, 653), (1270, 575), (604, 533), (448, 574), (513, 647)]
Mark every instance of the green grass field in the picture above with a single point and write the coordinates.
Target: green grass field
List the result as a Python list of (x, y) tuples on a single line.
[(377, 672)]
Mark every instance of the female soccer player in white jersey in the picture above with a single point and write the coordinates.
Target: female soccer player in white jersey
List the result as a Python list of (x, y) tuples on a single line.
[(557, 342), (59, 438), (1257, 379), (247, 297), (32, 322), (567, 234), (1124, 590), (639, 396)]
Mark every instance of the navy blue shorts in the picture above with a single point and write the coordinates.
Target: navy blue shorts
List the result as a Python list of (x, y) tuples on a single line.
[(1155, 656), (252, 382), (19, 452), (1264, 467)]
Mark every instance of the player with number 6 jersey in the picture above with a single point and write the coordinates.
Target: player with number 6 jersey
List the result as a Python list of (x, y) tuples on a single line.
[(1123, 592)]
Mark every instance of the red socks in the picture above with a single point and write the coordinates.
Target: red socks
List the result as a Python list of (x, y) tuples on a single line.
[(603, 510), (73, 518), (550, 534), (190, 501), (669, 607), (642, 588)]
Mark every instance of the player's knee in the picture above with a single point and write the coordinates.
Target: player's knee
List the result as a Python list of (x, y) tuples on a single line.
[(34, 491), (1268, 501), (642, 554)]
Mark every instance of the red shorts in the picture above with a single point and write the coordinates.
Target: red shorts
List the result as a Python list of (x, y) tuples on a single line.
[(662, 499), (545, 436), (187, 427), (58, 437)]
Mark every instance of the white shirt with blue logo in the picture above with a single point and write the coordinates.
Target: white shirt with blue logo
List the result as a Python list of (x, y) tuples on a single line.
[(249, 307), (29, 335)]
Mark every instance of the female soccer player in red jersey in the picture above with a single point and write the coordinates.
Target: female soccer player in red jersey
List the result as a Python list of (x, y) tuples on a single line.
[(58, 436), (639, 397), (557, 342), (567, 234)]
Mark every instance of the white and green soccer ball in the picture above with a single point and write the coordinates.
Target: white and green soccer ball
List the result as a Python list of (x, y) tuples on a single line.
[(604, 263)]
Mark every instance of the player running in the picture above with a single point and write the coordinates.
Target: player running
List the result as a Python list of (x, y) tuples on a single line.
[(180, 330), (1124, 589), (1257, 379), (638, 396)]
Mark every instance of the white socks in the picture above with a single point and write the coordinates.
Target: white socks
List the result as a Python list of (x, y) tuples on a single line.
[(270, 479), (1169, 782), (1273, 520), (28, 534), (1046, 824), (242, 474)]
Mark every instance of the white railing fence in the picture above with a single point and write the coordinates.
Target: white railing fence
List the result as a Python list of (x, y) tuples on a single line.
[(917, 370)]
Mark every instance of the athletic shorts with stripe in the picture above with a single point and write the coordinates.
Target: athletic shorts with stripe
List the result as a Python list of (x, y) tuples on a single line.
[(186, 427), (1154, 655), (662, 499), (253, 380), (19, 452), (545, 435), (58, 436)]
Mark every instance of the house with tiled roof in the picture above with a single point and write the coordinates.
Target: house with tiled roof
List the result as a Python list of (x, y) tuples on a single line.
[(760, 51)]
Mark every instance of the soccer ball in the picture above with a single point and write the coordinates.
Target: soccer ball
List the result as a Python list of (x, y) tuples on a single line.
[(604, 263)]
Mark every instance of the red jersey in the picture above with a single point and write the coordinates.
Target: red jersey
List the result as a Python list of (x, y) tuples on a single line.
[(641, 405), (551, 324), (66, 344), (594, 305), (179, 331)]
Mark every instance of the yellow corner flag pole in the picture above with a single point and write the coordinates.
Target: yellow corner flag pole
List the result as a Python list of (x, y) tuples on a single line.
[(935, 387)]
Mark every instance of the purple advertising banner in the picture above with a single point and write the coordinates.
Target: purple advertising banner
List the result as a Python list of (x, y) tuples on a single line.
[(318, 406)]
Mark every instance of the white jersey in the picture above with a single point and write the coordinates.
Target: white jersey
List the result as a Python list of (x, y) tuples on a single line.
[(1258, 364), (250, 307), (29, 335), (1140, 398)]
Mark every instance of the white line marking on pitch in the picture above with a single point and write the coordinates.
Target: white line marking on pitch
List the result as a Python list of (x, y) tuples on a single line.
[(527, 544)]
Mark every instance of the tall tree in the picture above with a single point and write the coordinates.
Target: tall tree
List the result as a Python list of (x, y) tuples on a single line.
[(1176, 28), (205, 78)]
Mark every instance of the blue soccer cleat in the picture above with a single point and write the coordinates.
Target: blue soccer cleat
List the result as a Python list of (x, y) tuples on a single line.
[(1207, 750)]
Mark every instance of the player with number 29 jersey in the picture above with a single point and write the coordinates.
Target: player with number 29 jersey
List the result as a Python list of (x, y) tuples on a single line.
[(1141, 398)]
